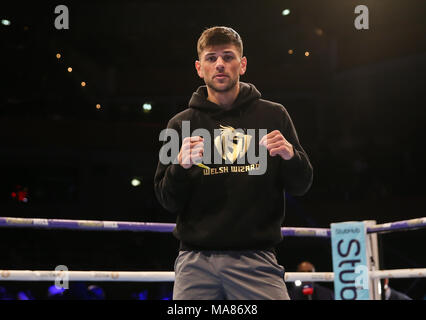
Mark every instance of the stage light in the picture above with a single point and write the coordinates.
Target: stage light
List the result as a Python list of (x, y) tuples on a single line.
[(297, 283), (69, 69), (136, 182), (20, 194), (147, 107), (98, 106), (143, 295), (307, 53), (286, 12), (319, 32), (5, 22), (290, 51), (58, 56), (55, 291), (83, 84)]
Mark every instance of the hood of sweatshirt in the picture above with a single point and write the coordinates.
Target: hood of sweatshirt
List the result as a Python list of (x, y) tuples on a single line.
[(247, 94)]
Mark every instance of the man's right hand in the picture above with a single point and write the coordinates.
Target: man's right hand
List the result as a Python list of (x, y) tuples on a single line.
[(191, 152)]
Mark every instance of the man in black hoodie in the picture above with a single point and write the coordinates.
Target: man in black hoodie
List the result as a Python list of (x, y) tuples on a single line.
[(229, 211)]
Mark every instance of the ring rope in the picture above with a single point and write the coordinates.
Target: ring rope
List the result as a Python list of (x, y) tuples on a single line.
[(398, 225), (168, 227), (169, 276), (130, 226), (124, 276)]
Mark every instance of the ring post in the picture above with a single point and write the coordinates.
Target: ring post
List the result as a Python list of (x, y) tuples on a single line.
[(372, 260), (350, 261)]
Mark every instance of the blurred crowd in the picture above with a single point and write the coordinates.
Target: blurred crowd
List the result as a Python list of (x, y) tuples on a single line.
[(82, 291)]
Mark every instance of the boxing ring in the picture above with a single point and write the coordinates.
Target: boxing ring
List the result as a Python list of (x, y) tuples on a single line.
[(371, 230)]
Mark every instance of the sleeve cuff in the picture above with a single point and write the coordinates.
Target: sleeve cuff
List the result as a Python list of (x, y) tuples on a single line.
[(295, 161), (177, 172)]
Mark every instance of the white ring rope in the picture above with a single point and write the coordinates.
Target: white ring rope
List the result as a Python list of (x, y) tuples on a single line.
[(399, 273), (169, 276)]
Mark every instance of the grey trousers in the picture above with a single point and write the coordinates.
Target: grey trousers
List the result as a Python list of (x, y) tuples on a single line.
[(228, 275)]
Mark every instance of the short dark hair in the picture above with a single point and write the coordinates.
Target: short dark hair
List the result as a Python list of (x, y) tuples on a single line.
[(218, 36)]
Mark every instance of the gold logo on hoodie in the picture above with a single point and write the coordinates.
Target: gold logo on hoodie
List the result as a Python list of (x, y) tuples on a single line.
[(232, 144)]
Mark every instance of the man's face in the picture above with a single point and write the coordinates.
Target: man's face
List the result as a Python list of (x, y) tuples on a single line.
[(221, 67), (305, 267)]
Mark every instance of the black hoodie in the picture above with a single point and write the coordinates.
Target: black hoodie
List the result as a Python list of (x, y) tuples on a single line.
[(226, 208)]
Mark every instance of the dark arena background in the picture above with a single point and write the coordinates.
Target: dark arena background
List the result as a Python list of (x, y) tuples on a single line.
[(81, 110)]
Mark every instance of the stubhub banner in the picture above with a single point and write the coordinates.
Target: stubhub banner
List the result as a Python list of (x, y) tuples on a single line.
[(350, 267)]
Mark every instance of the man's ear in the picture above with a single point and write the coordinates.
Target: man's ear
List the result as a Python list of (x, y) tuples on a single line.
[(198, 68), (243, 65)]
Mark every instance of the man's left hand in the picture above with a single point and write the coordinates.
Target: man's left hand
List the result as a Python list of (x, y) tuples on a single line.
[(277, 144)]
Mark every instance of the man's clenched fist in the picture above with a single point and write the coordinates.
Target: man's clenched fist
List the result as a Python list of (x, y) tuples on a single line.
[(277, 144), (191, 152)]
